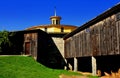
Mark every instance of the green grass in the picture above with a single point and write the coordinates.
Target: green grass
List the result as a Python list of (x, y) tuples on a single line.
[(27, 67)]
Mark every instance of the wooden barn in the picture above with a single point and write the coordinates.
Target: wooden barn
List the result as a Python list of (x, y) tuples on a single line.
[(40, 46), (96, 44)]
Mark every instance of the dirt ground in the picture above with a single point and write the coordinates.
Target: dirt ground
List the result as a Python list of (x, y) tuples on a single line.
[(65, 76)]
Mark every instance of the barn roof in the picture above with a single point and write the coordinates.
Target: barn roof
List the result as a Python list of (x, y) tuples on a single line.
[(29, 31), (100, 17)]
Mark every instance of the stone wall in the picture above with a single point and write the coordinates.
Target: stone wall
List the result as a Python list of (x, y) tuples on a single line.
[(59, 42)]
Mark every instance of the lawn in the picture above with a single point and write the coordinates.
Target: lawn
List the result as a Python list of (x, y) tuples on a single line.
[(27, 67)]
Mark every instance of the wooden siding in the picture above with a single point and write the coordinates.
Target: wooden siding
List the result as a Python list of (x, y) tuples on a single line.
[(102, 38), (32, 38)]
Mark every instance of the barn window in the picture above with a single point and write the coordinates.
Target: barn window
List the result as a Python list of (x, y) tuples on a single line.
[(118, 16)]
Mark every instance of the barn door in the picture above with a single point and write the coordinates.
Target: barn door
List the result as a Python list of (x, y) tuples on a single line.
[(27, 48)]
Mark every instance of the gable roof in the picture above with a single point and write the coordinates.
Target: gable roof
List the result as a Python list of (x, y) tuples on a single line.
[(100, 17)]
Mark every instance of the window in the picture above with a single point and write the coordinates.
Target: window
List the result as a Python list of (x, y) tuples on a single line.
[(45, 29), (118, 16), (57, 22), (53, 22), (62, 29)]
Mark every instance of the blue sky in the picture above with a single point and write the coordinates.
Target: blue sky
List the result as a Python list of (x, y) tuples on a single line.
[(21, 14)]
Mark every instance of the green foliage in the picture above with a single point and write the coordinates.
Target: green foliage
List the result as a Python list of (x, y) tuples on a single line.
[(4, 37), (27, 67), (4, 40)]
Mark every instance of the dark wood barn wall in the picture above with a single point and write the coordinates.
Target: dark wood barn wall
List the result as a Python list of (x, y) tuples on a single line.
[(102, 38)]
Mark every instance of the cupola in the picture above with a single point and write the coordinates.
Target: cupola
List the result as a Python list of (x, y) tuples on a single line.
[(55, 20)]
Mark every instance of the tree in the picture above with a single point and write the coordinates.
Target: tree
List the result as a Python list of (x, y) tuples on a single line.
[(5, 42)]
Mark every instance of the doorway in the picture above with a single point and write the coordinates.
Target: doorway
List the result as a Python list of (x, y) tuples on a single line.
[(27, 48)]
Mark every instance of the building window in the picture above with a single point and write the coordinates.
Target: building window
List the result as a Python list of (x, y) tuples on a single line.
[(57, 22), (118, 16), (45, 29), (62, 29), (53, 22)]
